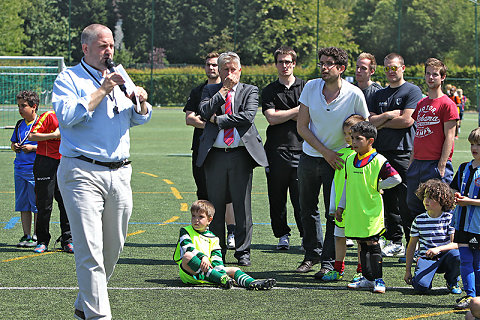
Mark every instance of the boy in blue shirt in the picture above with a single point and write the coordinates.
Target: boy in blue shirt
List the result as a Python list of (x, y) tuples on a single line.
[(199, 256), (432, 229), (25, 149), (466, 220)]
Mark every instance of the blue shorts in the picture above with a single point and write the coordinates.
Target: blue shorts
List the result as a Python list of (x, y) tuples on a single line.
[(24, 192)]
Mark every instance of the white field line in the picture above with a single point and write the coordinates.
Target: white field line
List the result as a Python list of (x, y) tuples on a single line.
[(201, 288)]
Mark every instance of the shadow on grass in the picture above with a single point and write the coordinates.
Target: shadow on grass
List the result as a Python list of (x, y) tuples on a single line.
[(150, 245), (4, 247), (147, 262)]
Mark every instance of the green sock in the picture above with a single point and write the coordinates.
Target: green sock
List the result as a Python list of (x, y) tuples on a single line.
[(194, 264), (216, 276), (243, 279), (212, 275)]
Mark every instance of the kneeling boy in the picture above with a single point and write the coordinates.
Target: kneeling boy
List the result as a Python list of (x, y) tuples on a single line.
[(432, 229), (199, 256)]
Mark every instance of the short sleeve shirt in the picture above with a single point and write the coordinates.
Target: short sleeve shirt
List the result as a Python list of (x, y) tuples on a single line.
[(430, 117), (326, 119), (432, 232), (370, 91), (47, 123), (277, 96), (403, 97), (23, 161), (192, 105)]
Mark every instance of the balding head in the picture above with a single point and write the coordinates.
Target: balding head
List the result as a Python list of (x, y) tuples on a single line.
[(91, 32)]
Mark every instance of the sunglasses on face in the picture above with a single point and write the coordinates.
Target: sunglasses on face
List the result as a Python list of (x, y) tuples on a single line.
[(392, 68)]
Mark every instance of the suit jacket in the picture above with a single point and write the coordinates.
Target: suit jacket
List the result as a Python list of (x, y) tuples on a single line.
[(242, 117)]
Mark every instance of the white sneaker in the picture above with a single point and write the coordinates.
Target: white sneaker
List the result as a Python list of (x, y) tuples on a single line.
[(393, 250), (350, 243), (231, 241), (379, 286), (283, 243), (362, 283), (382, 242)]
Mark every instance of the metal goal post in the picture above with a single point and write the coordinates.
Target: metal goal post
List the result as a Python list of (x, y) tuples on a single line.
[(19, 73)]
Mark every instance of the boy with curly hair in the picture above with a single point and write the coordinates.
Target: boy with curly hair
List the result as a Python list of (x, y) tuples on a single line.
[(438, 253)]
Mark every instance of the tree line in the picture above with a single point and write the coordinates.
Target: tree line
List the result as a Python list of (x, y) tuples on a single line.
[(184, 31)]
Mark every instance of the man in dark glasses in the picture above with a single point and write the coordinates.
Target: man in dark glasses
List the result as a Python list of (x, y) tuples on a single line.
[(391, 112)]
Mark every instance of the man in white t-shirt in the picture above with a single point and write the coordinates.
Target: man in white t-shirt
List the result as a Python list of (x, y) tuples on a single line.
[(324, 105)]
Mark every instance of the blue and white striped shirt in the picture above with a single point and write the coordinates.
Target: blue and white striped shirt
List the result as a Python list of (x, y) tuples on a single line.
[(432, 232)]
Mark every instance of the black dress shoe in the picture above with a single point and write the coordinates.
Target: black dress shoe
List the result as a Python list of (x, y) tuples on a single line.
[(79, 314), (244, 262), (306, 266)]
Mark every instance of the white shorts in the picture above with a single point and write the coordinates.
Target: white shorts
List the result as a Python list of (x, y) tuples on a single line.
[(339, 232)]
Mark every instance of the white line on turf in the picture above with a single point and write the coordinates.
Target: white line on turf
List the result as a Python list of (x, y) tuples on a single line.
[(200, 288)]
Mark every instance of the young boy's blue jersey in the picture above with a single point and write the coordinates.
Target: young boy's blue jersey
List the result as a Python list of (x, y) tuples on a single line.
[(467, 182), (23, 161)]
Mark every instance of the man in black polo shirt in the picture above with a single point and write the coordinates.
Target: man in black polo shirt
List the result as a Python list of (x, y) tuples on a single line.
[(391, 112), (284, 145), (192, 118)]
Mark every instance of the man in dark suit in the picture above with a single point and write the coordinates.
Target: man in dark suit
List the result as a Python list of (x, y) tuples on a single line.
[(230, 148)]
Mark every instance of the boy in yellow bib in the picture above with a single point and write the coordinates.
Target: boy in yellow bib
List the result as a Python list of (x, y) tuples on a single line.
[(366, 174), (199, 257)]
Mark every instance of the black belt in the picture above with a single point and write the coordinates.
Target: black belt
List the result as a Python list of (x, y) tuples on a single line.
[(111, 165), (229, 149)]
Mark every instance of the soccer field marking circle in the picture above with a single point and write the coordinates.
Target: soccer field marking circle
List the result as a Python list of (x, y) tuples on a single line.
[(149, 174), (176, 193), (135, 233), (428, 315)]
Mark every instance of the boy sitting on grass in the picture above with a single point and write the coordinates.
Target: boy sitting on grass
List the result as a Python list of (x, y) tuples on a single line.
[(438, 252), (199, 257)]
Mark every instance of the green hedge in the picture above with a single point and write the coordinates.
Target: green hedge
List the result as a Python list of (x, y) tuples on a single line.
[(171, 86)]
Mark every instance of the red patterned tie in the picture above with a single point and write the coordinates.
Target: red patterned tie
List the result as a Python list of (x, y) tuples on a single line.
[(228, 133)]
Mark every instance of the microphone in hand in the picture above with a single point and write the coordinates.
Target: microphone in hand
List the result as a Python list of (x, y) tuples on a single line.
[(111, 67)]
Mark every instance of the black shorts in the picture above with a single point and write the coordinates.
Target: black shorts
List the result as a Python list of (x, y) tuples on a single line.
[(464, 237), (374, 238)]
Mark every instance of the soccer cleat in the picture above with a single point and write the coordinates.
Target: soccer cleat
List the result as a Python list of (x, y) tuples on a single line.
[(23, 241), (231, 241), (226, 282), (462, 303), (68, 248), (362, 283), (393, 250), (379, 286), (41, 248), (357, 277), (350, 243), (332, 275), (454, 289), (265, 284), (283, 243), (31, 242)]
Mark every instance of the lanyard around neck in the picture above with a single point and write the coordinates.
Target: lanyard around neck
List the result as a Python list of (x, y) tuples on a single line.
[(97, 81), (22, 141)]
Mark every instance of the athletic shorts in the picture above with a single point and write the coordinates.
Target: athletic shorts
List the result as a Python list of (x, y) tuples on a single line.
[(189, 279), (339, 232), (24, 192), (464, 237)]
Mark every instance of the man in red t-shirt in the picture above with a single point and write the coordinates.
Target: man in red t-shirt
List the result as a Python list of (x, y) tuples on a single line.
[(46, 132), (436, 117)]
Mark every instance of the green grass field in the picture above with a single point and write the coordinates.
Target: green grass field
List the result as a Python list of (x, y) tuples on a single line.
[(145, 284)]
